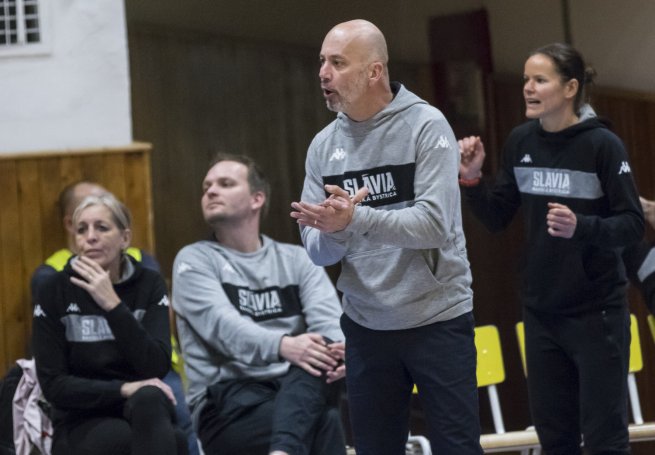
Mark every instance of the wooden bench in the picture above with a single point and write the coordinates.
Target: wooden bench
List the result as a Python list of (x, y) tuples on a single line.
[(527, 439)]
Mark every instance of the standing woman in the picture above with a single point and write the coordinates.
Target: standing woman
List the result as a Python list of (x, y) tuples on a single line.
[(102, 341), (571, 177)]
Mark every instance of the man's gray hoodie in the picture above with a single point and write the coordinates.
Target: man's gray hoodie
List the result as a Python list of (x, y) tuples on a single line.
[(403, 256)]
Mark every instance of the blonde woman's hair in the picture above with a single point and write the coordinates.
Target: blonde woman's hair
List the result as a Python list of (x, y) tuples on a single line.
[(120, 214)]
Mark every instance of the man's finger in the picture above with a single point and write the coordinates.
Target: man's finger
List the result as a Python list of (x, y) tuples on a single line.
[(337, 191), (360, 195)]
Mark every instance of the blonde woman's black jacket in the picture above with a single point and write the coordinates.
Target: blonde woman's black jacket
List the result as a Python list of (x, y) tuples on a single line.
[(84, 354)]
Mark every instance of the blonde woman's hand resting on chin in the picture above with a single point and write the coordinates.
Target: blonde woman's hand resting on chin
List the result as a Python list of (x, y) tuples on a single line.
[(96, 281), (129, 388)]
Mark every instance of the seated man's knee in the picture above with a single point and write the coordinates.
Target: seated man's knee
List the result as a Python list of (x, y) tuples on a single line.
[(332, 416)]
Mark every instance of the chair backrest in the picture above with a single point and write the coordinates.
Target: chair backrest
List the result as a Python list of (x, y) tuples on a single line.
[(651, 325), (636, 359), (520, 336), (490, 369)]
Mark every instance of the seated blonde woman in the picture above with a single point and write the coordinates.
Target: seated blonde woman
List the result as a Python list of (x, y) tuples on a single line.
[(101, 342)]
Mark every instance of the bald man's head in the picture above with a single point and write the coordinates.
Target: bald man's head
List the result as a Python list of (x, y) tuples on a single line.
[(363, 38), (73, 194), (354, 76)]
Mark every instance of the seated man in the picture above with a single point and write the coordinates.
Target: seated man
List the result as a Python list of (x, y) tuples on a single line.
[(256, 318), (69, 198), (639, 260)]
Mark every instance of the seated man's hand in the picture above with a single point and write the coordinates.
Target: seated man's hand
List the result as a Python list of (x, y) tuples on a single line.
[(338, 352), (310, 352)]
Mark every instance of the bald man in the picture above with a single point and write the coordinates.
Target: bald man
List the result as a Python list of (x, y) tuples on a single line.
[(381, 196)]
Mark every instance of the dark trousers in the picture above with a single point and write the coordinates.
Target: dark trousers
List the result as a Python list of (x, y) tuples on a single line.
[(146, 427), (182, 414), (296, 413), (577, 380), (383, 366)]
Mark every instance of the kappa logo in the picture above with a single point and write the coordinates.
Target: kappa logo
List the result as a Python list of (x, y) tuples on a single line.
[(163, 301), (442, 143), (228, 268), (338, 154), (625, 168), (73, 308), (526, 158), (183, 267), (38, 312)]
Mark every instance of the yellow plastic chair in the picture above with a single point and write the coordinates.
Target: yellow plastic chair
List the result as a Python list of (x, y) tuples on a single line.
[(636, 362), (520, 336), (491, 372), (651, 325), (490, 369), (636, 365)]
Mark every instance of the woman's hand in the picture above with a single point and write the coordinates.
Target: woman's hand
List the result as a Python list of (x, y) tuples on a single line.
[(471, 150), (96, 282), (649, 210), (129, 388), (561, 220)]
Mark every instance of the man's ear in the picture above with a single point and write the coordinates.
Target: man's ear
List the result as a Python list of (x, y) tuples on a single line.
[(258, 200), (68, 224), (375, 70)]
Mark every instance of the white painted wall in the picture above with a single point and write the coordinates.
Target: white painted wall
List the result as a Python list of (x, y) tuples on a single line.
[(77, 96), (616, 38), (303, 22), (519, 26)]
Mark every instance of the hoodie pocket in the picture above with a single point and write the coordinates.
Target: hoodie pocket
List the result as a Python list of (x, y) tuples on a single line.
[(388, 276)]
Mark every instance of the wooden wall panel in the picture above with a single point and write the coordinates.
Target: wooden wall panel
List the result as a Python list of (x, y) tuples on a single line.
[(52, 234), (14, 323), (31, 227), (138, 197)]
